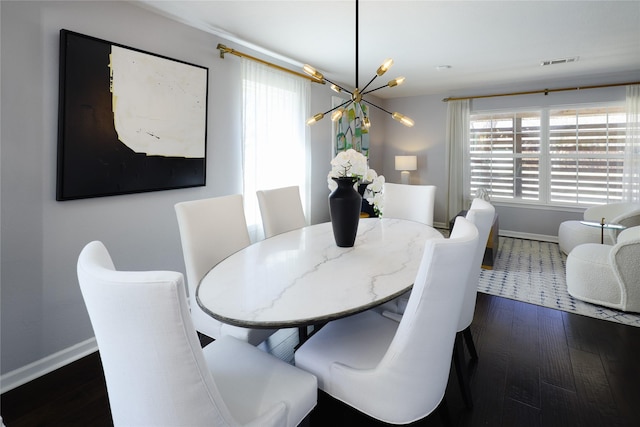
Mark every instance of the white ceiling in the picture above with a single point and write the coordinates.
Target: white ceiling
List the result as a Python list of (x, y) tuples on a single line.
[(486, 43)]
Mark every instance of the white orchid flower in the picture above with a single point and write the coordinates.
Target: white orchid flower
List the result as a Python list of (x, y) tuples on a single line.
[(351, 163)]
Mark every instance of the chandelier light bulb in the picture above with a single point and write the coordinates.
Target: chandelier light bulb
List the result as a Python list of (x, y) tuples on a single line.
[(366, 122), (315, 118), (385, 66), (336, 115), (312, 72), (335, 88), (407, 121), (396, 82)]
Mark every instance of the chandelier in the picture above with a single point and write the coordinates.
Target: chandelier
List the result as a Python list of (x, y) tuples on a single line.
[(357, 94)]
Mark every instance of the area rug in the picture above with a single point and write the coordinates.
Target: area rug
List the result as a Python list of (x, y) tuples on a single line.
[(534, 272)]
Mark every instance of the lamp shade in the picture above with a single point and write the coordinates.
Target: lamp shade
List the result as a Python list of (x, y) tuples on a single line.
[(406, 163)]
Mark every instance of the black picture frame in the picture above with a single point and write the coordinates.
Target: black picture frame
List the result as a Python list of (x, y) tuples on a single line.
[(93, 160)]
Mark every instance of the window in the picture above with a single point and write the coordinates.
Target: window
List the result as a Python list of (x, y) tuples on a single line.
[(549, 156), (505, 155), (586, 150), (275, 106)]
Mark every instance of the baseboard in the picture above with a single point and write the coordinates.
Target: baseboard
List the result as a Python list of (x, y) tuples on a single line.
[(528, 236), (508, 233), (36, 369)]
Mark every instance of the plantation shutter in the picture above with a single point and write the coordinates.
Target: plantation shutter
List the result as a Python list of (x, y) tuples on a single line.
[(586, 150)]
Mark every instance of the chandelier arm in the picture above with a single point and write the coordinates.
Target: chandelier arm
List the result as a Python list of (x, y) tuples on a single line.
[(341, 88), (338, 106), (375, 76), (373, 90), (320, 116)]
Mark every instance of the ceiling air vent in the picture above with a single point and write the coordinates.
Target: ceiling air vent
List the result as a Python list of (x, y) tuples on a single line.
[(559, 61)]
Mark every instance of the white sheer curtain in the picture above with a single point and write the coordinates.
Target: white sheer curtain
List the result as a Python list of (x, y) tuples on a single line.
[(457, 141), (631, 171), (275, 137)]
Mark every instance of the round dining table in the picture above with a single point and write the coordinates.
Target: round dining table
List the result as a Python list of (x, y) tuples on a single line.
[(302, 277)]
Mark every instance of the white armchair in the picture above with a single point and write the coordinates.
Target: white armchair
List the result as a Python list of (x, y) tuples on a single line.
[(157, 373), (607, 275), (573, 233)]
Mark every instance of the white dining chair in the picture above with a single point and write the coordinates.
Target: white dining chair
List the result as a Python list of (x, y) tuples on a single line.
[(281, 210), (481, 214), (211, 230), (411, 202), (157, 373), (397, 372)]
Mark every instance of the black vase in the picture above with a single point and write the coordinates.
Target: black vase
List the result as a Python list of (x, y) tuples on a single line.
[(344, 207)]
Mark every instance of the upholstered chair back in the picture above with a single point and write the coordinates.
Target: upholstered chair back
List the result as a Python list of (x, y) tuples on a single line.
[(152, 360), (417, 371), (411, 202), (481, 214), (281, 210), (157, 374), (415, 367), (623, 213), (211, 230)]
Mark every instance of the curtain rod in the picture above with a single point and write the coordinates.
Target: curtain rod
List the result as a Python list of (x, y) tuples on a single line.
[(545, 91), (223, 49)]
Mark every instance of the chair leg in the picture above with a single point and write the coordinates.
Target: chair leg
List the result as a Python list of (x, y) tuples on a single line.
[(463, 379), (303, 335), (468, 339), (443, 411)]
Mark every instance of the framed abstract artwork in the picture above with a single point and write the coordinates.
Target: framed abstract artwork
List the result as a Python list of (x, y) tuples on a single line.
[(348, 131), (129, 121)]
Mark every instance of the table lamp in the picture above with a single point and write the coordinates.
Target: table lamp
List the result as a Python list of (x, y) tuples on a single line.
[(406, 164)]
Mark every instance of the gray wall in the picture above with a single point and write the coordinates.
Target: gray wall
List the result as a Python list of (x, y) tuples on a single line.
[(43, 319), (42, 312), (42, 309)]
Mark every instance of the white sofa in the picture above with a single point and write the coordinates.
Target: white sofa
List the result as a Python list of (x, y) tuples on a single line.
[(607, 275), (573, 233)]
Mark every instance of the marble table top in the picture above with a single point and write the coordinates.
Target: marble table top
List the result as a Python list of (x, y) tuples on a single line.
[(301, 277)]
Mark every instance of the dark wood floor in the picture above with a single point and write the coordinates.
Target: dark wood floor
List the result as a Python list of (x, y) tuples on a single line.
[(536, 367)]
